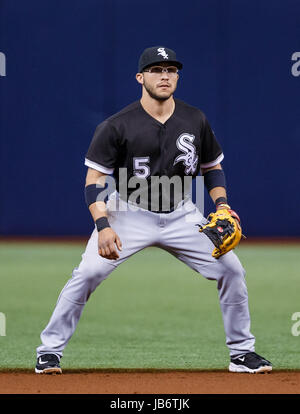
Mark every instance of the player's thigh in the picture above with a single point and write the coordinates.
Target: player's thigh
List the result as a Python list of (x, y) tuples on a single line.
[(135, 230), (181, 237), (227, 271), (185, 242)]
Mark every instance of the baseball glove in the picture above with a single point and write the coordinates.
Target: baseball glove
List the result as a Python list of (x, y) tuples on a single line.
[(224, 230)]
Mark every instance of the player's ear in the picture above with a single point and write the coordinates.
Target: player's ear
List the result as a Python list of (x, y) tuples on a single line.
[(140, 78)]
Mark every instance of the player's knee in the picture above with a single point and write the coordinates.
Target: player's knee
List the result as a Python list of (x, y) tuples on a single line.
[(236, 271), (234, 276), (92, 273), (231, 284), (232, 267), (85, 280)]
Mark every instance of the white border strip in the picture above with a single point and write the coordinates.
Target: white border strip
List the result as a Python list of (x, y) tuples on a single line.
[(98, 167), (213, 163)]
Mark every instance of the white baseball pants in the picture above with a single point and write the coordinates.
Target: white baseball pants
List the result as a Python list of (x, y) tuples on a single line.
[(175, 232)]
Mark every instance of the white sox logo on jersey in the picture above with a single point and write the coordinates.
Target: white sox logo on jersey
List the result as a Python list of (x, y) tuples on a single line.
[(190, 159), (162, 52)]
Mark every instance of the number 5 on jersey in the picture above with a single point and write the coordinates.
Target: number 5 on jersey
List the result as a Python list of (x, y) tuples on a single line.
[(140, 167)]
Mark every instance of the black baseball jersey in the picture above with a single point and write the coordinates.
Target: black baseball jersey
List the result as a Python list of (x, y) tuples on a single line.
[(134, 140)]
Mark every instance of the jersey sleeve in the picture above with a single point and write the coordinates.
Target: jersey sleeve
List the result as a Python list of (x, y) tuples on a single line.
[(103, 150), (211, 151)]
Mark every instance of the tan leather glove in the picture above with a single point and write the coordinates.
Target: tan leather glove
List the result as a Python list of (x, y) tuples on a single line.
[(224, 230)]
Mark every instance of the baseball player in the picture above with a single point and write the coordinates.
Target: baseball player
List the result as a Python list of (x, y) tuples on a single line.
[(157, 136)]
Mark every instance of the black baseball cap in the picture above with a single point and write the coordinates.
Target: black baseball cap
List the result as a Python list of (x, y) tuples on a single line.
[(158, 54)]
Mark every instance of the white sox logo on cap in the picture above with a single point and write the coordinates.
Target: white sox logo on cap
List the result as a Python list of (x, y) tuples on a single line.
[(162, 52)]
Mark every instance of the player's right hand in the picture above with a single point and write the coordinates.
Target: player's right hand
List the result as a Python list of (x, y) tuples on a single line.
[(107, 242)]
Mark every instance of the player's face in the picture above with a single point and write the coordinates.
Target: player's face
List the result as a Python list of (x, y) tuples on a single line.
[(160, 86)]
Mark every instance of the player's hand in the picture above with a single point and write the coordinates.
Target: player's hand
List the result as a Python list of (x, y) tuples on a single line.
[(224, 230), (107, 242)]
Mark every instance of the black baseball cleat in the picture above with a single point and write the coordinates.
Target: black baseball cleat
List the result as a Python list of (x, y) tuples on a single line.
[(250, 362), (48, 364)]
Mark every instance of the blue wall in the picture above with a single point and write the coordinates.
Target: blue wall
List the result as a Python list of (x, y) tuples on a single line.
[(71, 63)]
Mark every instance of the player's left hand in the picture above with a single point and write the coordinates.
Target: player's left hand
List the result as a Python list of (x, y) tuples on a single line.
[(224, 230)]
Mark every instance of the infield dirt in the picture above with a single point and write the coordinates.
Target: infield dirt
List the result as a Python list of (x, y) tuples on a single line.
[(171, 382)]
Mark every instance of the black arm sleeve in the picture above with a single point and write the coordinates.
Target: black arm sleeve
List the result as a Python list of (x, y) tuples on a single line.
[(103, 149)]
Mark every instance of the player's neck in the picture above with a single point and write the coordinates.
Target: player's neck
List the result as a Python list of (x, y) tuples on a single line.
[(160, 110)]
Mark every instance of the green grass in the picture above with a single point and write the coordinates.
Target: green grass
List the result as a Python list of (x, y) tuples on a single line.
[(152, 312)]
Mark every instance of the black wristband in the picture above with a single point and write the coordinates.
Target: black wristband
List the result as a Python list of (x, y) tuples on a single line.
[(102, 223), (221, 200)]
